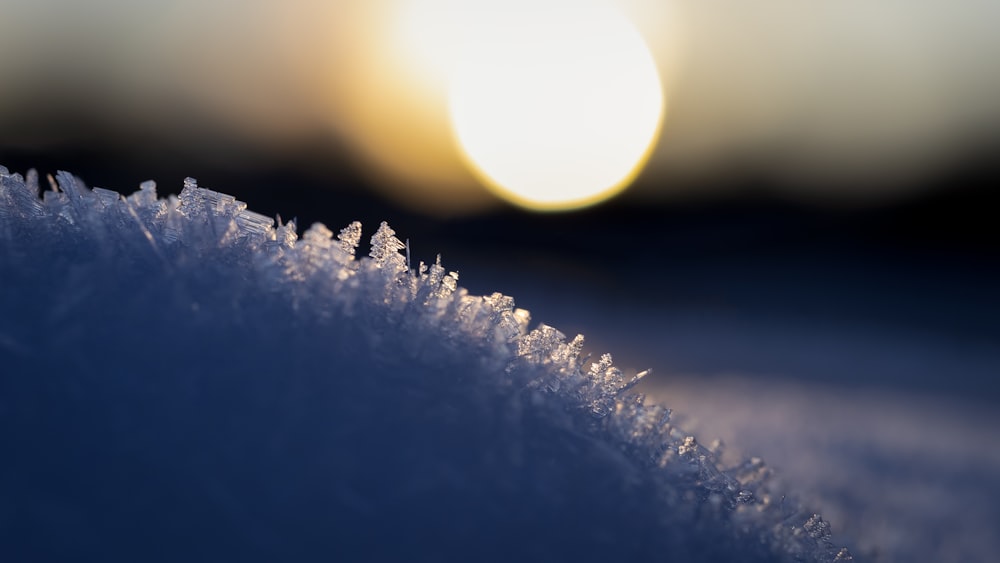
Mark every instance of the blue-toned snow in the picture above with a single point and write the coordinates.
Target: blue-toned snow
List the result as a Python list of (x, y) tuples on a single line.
[(184, 380)]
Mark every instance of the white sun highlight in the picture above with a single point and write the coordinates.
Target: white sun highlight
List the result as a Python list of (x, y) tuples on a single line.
[(554, 104)]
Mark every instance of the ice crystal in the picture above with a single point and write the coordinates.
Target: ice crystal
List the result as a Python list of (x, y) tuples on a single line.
[(350, 237), (386, 247), (312, 400)]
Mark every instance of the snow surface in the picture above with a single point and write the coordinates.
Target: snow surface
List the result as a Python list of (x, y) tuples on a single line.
[(908, 478), (184, 379)]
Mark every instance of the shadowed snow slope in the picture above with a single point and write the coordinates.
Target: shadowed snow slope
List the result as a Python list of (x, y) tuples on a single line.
[(182, 380)]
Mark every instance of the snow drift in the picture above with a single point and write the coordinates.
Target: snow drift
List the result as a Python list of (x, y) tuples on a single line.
[(184, 379)]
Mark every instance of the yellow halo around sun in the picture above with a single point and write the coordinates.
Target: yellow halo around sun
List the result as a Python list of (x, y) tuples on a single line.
[(554, 104)]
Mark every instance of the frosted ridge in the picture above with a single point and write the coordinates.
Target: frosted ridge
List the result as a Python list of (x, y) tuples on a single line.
[(323, 273)]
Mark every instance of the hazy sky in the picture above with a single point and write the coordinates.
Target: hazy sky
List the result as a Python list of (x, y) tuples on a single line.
[(830, 94)]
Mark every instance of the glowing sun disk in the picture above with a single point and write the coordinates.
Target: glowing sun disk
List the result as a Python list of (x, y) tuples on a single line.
[(554, 104)]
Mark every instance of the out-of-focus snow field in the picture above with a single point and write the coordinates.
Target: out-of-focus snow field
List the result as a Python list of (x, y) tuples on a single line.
[(912, 478), (869, 388), (911, 475)]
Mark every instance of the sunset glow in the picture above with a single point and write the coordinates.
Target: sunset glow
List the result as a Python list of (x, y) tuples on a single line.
[(554, 105)]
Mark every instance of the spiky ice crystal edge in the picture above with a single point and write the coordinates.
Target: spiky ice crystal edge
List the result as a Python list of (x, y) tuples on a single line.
[(426, 319)]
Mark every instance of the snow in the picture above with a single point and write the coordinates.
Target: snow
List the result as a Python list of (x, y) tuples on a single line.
[(907, 477), (184, 379)]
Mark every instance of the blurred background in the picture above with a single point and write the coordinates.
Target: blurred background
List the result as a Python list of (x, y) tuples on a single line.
[(789, 209)]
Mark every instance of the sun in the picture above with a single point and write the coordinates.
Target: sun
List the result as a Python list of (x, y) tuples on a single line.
[(554, 104)]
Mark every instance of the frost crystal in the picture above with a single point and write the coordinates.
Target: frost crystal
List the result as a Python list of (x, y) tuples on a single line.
[(386, 247), (350, 237), (352, 397)]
